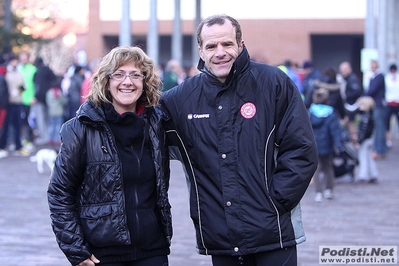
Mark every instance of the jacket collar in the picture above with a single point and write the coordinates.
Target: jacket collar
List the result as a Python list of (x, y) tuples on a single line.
[(91, 114), (95, 116), (239, 66)]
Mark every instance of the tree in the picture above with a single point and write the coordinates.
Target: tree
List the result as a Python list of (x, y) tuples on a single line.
[(23, 22), (38, 26)]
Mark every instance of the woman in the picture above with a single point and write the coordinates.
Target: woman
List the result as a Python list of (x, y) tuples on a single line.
[(367, 170), (108, 190)]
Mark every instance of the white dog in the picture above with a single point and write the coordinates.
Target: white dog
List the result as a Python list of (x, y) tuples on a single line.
[(44, 156)]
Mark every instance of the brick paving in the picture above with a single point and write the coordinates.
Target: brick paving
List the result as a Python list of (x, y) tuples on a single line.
[(359, 215)]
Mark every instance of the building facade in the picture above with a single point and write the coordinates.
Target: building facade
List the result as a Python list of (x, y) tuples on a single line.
[(326, 42)]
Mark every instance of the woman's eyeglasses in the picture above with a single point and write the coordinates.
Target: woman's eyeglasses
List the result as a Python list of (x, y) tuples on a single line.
[(121, 77)]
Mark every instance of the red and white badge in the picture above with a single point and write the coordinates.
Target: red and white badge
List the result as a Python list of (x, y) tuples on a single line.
[(248, 110)]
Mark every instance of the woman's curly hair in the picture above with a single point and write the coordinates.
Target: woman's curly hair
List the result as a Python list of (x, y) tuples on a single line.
[(120, 56)]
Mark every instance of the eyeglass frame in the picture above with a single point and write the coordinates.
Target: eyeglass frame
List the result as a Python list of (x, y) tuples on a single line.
[(142, 77)]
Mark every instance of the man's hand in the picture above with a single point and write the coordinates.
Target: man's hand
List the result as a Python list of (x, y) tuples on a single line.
[(89, 261)]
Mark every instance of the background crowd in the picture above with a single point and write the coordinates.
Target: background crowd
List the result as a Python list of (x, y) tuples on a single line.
[(34, 101), (366, 113)]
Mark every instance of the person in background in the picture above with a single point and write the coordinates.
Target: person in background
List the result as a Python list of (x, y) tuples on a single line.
[(311, 75), (55, 101), (328, 135), (108, 192), (16, 85), (192, 71), (3, 99), (172, 75), (85, 89), (367, 169), (376, 90), (352, 91), (392, 99), (28, 72), (329, 81), (43, 78), (75, 91), (247, 147), (293, 74), (79, 59)]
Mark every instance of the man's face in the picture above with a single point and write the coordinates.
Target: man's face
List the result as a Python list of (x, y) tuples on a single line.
[(219, 49), (23, 58), (373, 66), (345, 70)]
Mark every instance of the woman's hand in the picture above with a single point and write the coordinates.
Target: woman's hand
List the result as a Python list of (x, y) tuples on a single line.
[(89, 261)]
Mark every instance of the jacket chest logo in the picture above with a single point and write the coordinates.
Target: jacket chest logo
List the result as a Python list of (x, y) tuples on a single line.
[(248, 110), (197, 116)]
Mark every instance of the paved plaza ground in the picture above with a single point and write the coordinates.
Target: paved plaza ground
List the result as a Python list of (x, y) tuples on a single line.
[(360, 215)]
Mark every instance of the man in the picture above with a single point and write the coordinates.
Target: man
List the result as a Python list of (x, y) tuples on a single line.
[(43, 78), (376, 90), (16, 85), (28, 71), (352, 91), (248, 150)]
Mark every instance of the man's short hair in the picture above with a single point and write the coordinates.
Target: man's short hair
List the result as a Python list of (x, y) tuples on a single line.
[(220, 20)]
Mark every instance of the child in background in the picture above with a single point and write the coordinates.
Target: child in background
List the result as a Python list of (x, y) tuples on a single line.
[(328, 136), (56, 102), (367, 169)]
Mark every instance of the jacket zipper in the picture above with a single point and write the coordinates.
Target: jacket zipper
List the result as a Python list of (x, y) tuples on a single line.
[(136, 197)]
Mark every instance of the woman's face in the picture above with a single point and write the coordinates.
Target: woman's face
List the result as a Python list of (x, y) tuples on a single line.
[(125, 91)]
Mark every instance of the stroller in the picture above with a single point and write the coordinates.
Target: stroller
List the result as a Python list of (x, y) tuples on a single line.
[(346, 162)]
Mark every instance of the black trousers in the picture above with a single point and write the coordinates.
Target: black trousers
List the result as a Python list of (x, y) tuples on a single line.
[(280, 257), (153, 261)]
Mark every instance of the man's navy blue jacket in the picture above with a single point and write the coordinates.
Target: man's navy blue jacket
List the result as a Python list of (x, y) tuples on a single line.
[(249, 154)]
